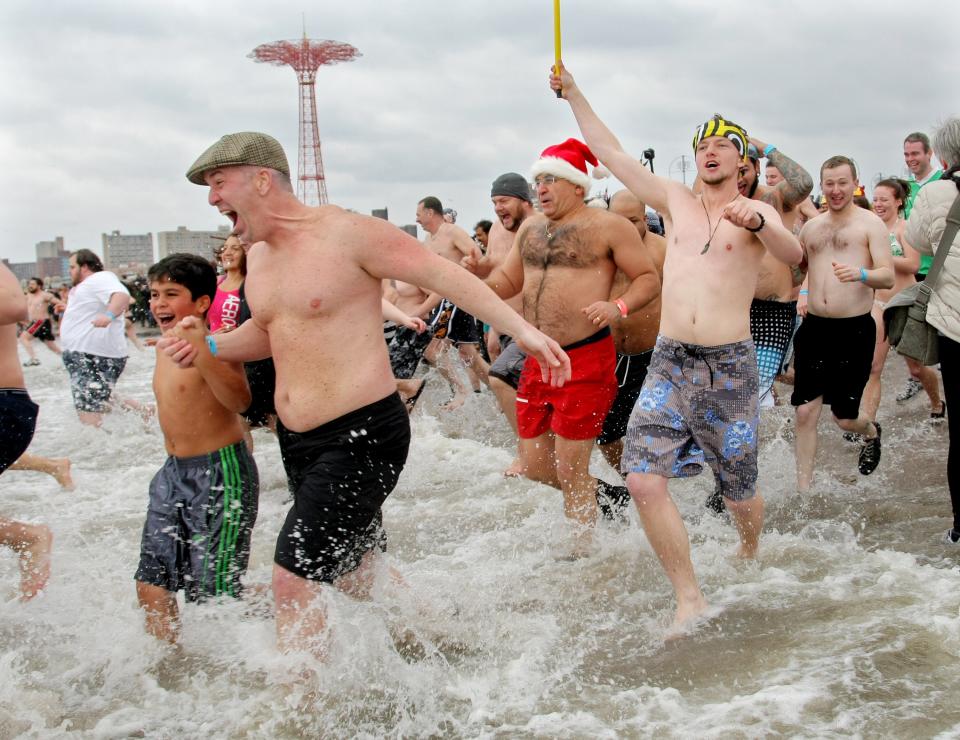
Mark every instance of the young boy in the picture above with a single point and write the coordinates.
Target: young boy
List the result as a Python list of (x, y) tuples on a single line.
[(203, 501)]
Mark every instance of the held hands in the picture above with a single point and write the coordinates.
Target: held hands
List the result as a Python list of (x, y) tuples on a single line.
[(184, 342), (602, 313), (562, 82), (846, 273), (739, 213), (554, 363)]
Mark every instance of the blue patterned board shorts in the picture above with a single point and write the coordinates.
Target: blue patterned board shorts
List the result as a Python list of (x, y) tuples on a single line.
[(92, 379), (699, 406)]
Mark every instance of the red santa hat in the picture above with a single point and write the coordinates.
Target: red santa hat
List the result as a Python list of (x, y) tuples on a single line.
[(569, 162)]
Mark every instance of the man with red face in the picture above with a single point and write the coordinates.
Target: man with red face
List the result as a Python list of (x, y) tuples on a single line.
[(848, 257), (699, 403), (564, 261)]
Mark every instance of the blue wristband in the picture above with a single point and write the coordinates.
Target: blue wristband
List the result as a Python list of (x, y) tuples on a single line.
[(768, 150), (111, 314), (863, 274), (211, 344), (804, 292)]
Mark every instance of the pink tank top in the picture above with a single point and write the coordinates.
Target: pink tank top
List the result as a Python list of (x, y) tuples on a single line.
[(225, 309)]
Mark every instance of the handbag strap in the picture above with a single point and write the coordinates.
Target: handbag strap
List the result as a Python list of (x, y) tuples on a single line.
[(949, 234)]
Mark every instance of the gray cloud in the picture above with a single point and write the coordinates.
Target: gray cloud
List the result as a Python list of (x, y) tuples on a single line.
[(107, 103)]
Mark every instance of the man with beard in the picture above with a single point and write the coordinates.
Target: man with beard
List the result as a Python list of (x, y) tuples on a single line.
[(699, 403), (314, 286), (38, 320), (510, 195), (848, 253), (93, 337), (564, 262)]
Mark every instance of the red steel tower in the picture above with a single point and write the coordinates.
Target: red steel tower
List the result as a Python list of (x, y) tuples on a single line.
[(306, 56)]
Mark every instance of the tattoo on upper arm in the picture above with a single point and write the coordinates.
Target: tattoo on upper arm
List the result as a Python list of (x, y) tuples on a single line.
[(797, 183)]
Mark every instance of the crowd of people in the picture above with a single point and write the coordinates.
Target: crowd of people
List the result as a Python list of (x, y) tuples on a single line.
[(588, 327)]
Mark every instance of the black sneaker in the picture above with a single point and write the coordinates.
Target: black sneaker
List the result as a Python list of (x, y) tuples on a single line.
[(853, 437), (870, 454), (613, 501), (912, 388)]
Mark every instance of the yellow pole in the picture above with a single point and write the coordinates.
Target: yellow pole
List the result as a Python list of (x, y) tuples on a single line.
[(556, 40)]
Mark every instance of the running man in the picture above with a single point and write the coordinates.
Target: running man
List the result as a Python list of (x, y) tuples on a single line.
[(39, 325), (699, 403), (314, 289), (18, 419), (848, 256)]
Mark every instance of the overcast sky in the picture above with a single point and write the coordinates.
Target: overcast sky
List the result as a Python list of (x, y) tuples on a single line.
[(106, 104)]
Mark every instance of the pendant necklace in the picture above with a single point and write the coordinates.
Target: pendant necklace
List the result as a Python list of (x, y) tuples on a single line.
[(712, 233), (546, 230)]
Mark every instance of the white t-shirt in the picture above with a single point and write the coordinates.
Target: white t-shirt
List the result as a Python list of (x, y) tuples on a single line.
[(86, 300)]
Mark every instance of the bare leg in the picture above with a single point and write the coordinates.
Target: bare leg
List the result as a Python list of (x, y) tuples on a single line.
[(928, 379), (26, 339), (58, 467), (507, 401), (578, 486), (477, 367), (861, 425), (748, 518), (53, 346), (162, 614), (870, 401), (90, 418), (538, 461), (32, 543), (668, 536), (613, 453), (806, 446), (436, 355), (301, 614)]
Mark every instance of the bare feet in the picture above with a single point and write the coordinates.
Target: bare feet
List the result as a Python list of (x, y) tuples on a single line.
[(690, 612), (515, 470), (61, 472), (35, 562), (456, 402)]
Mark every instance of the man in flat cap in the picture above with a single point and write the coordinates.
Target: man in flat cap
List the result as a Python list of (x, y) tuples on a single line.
[(314, 286)]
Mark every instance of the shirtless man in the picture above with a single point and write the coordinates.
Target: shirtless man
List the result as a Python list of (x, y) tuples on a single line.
[(39, 325), (314, 288), (450, 324), (699, 403), (564, 262), (633, 336), (510, 195), (18, 418), (793, 218), (848, 254)]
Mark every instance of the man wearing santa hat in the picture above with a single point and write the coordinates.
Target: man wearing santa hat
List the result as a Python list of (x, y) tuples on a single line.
[(564, 261)]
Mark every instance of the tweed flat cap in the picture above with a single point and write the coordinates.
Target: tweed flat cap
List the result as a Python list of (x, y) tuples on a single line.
[(245, 147)]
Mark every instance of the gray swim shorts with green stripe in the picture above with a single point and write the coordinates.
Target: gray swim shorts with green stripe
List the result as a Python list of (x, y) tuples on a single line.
[(699, 407), (199, 518)]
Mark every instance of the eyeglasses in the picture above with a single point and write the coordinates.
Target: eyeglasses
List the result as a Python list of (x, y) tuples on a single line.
[(544, 180)]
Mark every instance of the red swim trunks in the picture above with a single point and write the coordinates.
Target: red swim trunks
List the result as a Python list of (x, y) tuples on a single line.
[(577, 410)]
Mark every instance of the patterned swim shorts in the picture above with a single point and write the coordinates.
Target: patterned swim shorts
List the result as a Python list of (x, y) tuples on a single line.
[(699, 406)]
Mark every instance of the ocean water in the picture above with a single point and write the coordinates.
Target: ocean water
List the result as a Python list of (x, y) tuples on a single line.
[(848, 624)]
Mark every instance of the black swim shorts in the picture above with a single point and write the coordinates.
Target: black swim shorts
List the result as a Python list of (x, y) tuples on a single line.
[(631, 372), (92, 379), (832, 359), (340, 473), (262, 379), (18, 419), (453, 323), (406, 350), (199, 518), (41, 329)]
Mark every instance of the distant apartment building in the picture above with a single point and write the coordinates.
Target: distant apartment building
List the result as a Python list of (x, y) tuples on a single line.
[(411, 229), (127, 252), (22, 270), (380, 213), (183, 239), (53, 260)]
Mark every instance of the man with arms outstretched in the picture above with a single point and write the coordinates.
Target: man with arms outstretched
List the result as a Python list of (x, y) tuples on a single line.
[(314, 289), (699, 403)]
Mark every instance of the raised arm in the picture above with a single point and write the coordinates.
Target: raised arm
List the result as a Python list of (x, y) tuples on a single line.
[(797, 183), (764, 221), (606, 147)]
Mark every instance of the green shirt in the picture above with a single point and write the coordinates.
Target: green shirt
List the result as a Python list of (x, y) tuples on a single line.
[(925, 259)]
